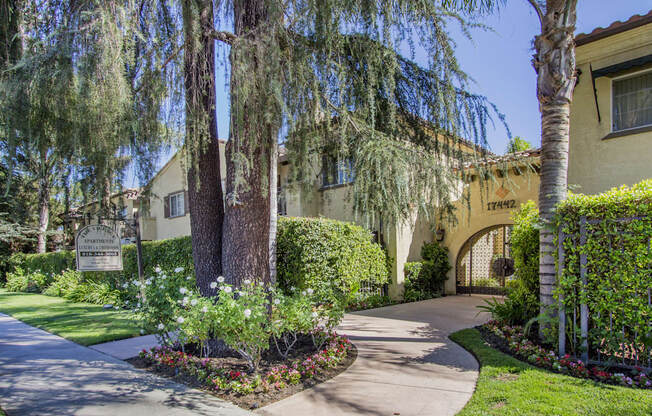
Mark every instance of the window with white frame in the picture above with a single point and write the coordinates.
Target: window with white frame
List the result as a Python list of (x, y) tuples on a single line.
[(337, 172), (632, 102), (177, 205)]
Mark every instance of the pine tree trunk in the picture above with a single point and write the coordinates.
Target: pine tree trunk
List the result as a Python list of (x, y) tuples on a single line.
[(205, 195), (555, 65), (249, 222)]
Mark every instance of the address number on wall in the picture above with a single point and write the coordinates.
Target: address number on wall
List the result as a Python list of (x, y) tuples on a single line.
[(496, 205)]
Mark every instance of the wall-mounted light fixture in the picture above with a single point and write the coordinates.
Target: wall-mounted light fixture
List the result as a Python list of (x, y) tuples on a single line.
[(440, 233)]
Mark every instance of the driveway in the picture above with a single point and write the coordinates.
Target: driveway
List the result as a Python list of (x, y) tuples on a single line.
[(406, 364), (43, 374)]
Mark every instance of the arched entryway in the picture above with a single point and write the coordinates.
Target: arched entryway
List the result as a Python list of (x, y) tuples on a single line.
[(484, 262)]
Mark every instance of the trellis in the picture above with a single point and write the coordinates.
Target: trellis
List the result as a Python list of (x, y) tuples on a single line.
[(632, 353)]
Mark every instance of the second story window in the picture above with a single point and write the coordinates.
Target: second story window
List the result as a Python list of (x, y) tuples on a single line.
[(632, 102), (337, 172), (176, 202)]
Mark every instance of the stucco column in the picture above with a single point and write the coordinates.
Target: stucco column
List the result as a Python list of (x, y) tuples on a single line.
[(399, 238)]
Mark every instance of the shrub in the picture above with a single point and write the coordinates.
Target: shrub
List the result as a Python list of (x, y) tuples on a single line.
[(425, 279), (18, 281), (159, 298), (332, 257), (618, 256), (521, 302)]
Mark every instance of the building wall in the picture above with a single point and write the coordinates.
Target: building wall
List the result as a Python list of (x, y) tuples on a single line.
[(480, 216), (170, 179), (597, 163)]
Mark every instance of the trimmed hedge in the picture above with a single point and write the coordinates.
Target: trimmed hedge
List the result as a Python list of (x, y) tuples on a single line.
[(331, 257), (168, 254), (617, 249)]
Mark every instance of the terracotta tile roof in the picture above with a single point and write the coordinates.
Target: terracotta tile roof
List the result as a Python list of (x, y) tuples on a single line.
[(616, 27), (509, 157)]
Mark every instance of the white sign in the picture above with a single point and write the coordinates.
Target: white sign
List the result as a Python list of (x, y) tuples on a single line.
[(98, 249)]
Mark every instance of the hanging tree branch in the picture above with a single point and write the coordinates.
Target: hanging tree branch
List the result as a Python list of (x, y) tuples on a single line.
[(223, 36)]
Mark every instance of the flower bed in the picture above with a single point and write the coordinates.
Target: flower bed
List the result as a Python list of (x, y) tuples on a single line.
[(230, 379), (512, 340)]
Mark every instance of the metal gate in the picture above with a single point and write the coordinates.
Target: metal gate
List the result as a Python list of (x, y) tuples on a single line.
[(484, 262)]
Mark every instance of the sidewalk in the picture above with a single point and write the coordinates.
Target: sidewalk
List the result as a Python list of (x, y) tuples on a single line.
[(43, 374)]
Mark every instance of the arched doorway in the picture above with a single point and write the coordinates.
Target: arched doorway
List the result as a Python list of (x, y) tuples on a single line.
[(484, 262)]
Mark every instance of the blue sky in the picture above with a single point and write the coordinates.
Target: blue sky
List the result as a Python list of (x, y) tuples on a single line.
[(499, 63)]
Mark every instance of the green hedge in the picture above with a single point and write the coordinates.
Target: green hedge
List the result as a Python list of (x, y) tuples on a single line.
[(618, 259), (169, 254), (331, 257), (328, 256)]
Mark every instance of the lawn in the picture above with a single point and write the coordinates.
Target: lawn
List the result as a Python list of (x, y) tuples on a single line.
[(507, 386), (83, 323)]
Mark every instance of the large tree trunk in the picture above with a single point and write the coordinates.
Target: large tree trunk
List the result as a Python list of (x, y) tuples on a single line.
[(249, 247), (43, 213), (555, 65), (204, 178)]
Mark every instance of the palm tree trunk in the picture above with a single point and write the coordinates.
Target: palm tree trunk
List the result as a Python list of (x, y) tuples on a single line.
[(554, 63)]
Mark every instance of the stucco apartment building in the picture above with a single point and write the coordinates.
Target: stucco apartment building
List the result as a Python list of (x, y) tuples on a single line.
[(610, 145)]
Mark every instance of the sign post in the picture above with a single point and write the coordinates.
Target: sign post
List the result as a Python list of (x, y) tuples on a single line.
[(98, 249)]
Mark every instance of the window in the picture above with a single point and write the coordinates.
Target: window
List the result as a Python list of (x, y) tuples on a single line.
[(632, 102), (177, 205), (337, 172)]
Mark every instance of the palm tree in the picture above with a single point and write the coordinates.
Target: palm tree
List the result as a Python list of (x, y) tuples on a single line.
[(554, 62)]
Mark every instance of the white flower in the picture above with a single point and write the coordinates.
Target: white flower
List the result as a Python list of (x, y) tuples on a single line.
[(185, 300), (137, 283), (221, 287), (309, 290), (227, 289), (247, 282), (241, 293), (204, 309), (126, 302), (247, 313), (164, 276), (142, 332), (183, 290), (126, 285), (116, 307), (180, 319), (161, 327), (303, 292), (213, 285), (162, 286), (277, 301), (157, 269), (138, 305), (178, 270), (314, 314), (193, 302), (148, 282), (220, 279), (292, 288), (188, 278)]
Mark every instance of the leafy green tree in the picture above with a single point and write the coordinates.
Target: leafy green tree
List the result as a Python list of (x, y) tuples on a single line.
[(516, 144)]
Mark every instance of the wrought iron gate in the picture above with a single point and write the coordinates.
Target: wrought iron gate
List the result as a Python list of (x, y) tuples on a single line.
[(484, 262)]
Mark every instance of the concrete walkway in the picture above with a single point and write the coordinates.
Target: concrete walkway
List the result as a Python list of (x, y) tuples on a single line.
[(406, 364), (126, 348), (43, 374)]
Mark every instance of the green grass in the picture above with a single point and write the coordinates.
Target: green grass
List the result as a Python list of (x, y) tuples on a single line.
[(83, 323), (507, 386)]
